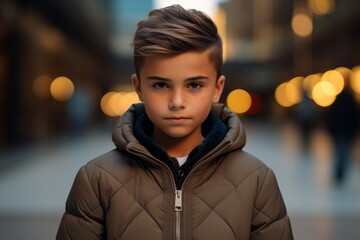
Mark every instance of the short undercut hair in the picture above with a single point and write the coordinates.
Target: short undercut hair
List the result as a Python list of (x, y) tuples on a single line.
[(174, 30)]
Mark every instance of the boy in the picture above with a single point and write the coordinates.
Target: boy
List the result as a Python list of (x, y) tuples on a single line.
[(178, 171)]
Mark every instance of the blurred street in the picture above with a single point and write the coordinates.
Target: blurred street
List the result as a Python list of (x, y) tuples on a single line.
[(34, 188), (292, 73)]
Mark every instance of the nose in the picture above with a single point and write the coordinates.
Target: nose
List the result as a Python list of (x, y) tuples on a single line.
[(177, 100)]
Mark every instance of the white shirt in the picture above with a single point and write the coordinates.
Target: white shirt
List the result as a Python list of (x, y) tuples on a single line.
[(182, 160)]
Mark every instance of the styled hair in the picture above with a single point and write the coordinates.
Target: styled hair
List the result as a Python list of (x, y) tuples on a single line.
[(174, 30)]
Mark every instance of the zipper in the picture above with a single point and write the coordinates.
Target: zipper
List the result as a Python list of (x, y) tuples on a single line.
[(178, 209), (178, 192), (178, 199)]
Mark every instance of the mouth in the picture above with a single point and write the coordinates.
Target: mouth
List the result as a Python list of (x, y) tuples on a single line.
[(177, 120)]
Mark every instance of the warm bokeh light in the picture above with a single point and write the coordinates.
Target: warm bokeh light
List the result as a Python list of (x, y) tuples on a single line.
[(127, 100), (62, 88), (321, 7), (239, 101), (324, 93), (114, 104), (294, 90), (51, 39), (281, 96), (104, 104), (302, 24), (309, 83), (335, 78), (345, 72), (41, 86), (293, 93), (289, 93), (355, 79), (297, 81), (322, 88)]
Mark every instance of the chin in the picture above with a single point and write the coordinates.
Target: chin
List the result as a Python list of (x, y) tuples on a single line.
[(177, 134)]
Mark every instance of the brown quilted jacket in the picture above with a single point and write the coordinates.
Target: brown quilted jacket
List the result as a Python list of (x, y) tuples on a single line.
[(129, 194)]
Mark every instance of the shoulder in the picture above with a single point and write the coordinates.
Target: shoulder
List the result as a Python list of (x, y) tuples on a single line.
[(238, 166), (110, 159), (243, 161), (102, 177), (94, 186), (116, 165)]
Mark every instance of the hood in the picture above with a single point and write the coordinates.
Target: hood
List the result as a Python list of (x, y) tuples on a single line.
[(123, 135)]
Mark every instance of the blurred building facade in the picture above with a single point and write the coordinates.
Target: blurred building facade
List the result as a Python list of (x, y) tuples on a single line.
[(260, 34), (39, 42), (89, 43)]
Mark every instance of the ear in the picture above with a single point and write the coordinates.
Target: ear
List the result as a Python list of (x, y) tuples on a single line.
[(219, 87), (137, 85)]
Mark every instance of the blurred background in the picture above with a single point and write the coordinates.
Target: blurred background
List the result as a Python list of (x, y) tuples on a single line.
[(293, 76)]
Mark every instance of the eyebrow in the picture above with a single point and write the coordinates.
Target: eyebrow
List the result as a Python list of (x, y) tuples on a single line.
[(200, 77)]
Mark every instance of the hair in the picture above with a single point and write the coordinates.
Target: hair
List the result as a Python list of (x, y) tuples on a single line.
[(173, 30)]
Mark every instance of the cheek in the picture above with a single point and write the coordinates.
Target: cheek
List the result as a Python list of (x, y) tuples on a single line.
[(206, 99), (154, 101), (202, 106), (153, 108)]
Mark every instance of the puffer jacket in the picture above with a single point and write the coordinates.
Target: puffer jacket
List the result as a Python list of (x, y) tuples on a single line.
[(129, 194)]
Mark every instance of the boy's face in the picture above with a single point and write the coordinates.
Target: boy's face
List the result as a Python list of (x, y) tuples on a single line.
[(177, 92)]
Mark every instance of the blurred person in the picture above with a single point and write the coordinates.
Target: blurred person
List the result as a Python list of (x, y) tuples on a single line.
[(306, 115), (80, 109), (178, 170), (342, 123)]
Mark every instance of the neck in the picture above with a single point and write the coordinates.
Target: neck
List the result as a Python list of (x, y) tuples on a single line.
[(178, 147)]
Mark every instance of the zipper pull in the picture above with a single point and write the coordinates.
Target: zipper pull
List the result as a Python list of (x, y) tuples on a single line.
[(178, 200)]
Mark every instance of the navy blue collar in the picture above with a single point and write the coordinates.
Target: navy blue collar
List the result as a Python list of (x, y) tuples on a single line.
[(213, 130)]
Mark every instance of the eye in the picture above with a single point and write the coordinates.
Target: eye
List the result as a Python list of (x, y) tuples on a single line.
[(160, 85), (195, 85)]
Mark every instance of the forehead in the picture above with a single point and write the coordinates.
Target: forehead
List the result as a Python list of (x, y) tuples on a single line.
[(184, 64)]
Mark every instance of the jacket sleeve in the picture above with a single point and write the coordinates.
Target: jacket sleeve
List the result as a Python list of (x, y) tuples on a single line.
[(84, 216), (270, 219)]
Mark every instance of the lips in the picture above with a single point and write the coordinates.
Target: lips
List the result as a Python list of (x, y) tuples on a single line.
[(177, 120)]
